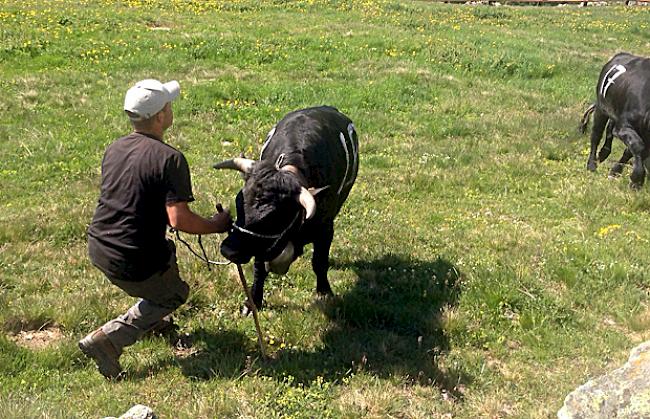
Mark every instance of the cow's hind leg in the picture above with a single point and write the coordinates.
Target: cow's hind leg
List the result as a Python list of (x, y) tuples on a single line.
[(617, 168), (257, 290), (600, 122), (320, 260), (636, 146)]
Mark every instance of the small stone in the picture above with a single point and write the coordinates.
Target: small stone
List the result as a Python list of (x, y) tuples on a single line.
[(138, 411)]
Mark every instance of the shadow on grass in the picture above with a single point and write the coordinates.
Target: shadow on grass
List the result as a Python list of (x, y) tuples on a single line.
[(204, 355), (387, 325), (223, 355)]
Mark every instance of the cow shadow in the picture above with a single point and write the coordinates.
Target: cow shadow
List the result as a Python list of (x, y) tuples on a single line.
[(387, 325)]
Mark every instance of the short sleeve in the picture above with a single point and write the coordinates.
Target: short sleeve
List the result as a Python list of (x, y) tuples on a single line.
[(179, 183)]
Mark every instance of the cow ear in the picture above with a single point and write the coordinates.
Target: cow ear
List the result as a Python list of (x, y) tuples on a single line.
[(307, 201), (238, 163)]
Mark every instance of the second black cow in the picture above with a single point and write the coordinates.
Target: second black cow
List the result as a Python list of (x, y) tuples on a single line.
[(292, 194), (622, 109)]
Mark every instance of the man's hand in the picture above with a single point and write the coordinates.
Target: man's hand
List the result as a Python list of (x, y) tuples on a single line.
[(181, 217), (222, 219)]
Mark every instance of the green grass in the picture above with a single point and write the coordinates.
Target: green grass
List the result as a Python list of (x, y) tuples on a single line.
[(480, 270)]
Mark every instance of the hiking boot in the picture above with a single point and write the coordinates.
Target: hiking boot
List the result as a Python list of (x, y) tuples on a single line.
[(97, 346)]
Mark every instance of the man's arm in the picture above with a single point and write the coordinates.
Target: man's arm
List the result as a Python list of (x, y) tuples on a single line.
[(182, 218)]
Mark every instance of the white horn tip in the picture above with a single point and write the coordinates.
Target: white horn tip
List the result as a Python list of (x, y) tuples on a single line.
[(308, 202)]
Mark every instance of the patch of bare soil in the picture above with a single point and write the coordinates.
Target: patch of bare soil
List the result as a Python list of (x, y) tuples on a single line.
[(37, 339), (183, 347), (182, 352)]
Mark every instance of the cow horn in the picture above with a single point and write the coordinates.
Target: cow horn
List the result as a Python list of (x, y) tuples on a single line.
[(315, 191), (308, 202), (238, 163)]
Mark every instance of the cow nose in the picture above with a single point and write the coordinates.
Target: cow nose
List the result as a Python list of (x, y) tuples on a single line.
[(232, 253)]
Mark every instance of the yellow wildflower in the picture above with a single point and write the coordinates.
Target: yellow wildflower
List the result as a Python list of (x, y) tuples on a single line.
[(608, 229)]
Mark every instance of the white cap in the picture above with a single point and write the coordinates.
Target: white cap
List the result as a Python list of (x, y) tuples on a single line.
[(148, 97)]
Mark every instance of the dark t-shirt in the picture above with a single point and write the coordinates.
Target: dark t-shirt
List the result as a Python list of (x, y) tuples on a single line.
[(140, 174)]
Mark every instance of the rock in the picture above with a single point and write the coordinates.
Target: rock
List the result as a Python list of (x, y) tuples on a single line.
[(137, 412), (623, 393)]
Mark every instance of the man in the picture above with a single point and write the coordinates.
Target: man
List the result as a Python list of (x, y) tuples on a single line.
[(145, 187)]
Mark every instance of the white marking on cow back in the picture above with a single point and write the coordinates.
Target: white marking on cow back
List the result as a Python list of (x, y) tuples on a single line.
[(608, 80), (347, 161), (268, 139), (279, 161), (352, 164), (355, 151)]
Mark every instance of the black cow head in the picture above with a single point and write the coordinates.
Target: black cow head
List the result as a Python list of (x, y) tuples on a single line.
[(271, 209)]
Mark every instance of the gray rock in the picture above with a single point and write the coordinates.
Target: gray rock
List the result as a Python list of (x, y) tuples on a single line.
[(623, 393), (137, 412)]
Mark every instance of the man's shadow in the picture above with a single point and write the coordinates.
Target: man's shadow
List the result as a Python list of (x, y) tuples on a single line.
[(389, 324)]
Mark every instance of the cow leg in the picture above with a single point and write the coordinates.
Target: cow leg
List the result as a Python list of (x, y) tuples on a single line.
[(259, 277), (636, 146), (320, 260), (600, 122), (606, 149), (617, 168), (257, 290)]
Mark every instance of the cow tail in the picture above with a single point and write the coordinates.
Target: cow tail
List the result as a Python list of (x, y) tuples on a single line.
[(585, 118)]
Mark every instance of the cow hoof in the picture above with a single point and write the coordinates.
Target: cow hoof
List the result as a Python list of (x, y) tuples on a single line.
[(635, 186), (324, 295), (591, 166), (246, 309), (616, 171)]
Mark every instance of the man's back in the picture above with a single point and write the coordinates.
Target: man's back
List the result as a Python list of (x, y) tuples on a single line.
[(140, 174)]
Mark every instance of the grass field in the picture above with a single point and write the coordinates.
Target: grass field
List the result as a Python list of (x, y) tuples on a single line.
[(480, 270)]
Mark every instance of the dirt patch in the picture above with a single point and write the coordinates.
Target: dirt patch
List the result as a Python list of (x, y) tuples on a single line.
[(183, 346), (183, 353), (37, 339), (156, 25)]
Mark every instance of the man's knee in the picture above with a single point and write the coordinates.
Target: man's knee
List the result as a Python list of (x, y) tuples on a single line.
[(177, 297)]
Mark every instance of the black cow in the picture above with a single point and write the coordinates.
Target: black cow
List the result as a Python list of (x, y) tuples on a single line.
[(291, 196), (622, 109)]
